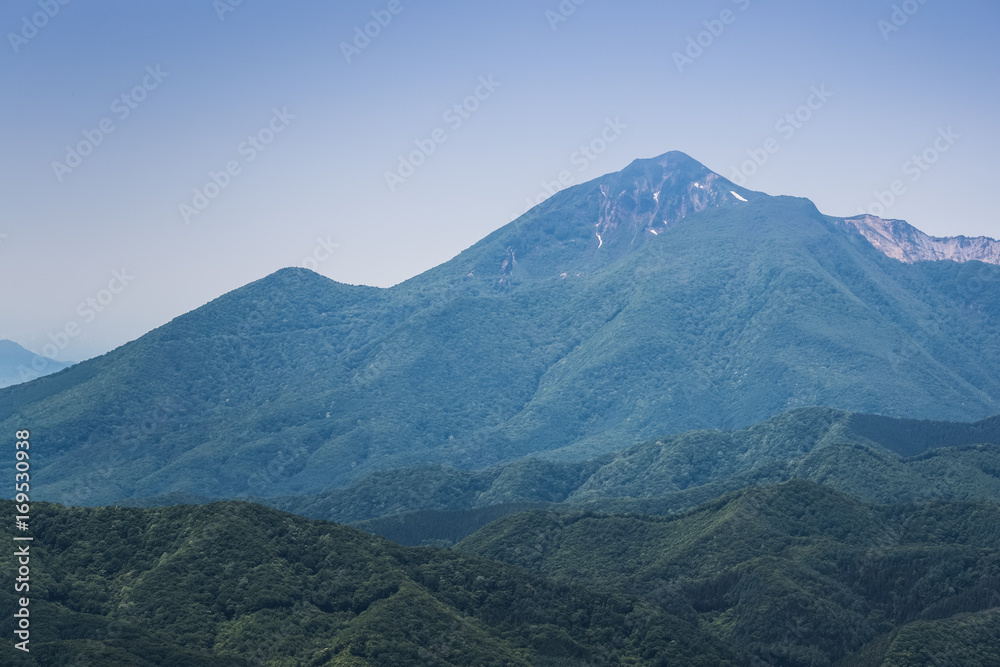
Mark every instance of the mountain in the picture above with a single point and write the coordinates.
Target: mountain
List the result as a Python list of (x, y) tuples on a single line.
[(235, 584), (797, 574), (656, 300), (20, 365), (902, 241), (875, 459), (594, 225), (407, 489), (872, 458)]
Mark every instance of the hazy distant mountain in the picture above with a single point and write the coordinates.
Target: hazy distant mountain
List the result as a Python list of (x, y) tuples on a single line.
[(20, 365), (902, 241), (654, 300)]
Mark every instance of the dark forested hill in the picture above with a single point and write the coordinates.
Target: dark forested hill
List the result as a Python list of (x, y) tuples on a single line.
[(798, 574), (236, 584), (793, 575), (656, 300)]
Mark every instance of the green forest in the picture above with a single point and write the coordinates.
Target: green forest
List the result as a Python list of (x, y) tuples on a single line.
[(877, 459), (792, 574)]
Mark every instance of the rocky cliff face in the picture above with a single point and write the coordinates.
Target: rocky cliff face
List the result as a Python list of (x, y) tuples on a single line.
[(650, 196), (902, 241)]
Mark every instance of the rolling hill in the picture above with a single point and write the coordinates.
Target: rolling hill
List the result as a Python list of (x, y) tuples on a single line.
[(798, 574), (875, 459), (236, 584)]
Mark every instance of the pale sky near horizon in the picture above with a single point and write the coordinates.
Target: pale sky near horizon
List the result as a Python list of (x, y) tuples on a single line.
[(118, 112)]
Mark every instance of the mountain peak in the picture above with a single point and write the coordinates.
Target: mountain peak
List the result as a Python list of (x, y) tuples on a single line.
[(594, 224), (651, 195), (672, 159)]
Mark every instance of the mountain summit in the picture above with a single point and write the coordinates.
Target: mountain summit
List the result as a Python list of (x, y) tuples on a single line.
[(658, 299), (594, 224)]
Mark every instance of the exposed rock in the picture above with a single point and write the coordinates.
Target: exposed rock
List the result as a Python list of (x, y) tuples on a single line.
[(900, 240)]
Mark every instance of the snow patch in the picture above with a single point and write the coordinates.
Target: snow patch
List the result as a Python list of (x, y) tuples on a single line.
[(655, 233), (656, 197), (737, 196), (600, 241)]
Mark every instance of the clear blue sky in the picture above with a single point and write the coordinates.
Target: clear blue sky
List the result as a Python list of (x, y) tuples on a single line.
[(555, 84)]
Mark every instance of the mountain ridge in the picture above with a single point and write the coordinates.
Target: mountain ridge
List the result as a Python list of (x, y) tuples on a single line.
[(238, 584), (798, 574), (742, 310), (899, 460), (904, 242)]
